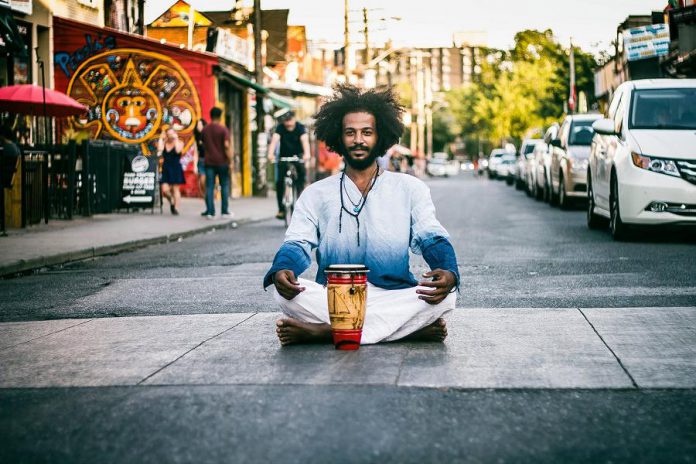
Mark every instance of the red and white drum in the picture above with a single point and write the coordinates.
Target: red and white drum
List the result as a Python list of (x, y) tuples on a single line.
[(347, 294)]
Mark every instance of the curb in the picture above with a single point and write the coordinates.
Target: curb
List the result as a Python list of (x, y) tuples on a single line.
[(27, 266)]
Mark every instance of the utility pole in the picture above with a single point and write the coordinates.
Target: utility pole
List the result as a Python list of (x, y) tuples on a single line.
[(259, 187), (191, 24), (346, 43), (141, 17), (366, 31)]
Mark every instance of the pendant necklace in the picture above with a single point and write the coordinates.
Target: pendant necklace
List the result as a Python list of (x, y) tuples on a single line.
[(363, 194), (357, 207)]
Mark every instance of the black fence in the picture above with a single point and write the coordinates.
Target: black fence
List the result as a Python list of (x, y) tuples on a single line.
[(72, 179)]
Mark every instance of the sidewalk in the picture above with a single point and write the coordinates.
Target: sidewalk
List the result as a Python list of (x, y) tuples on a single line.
[(62, 241), (514, 348)]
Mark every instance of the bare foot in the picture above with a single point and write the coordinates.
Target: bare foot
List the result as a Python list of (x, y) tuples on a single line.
[(291, 331), (435, 332)]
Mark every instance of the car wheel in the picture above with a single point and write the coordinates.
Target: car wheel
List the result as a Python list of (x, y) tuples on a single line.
[(509, 180), (619, 230), (553, 196), (538, 192), (594, 221), (562, 197), (547, 190)]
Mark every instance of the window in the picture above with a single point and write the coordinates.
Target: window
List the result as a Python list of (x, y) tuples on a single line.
[(89, 3), (614, 104), (581, 133), (664, 109)]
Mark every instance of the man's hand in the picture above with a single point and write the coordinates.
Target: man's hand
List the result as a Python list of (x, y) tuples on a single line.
[(286, 284), (442, 284)]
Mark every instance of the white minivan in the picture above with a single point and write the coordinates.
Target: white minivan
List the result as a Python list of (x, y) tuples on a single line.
[(642, 166)]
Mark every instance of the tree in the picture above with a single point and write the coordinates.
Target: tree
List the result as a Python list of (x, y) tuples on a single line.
[(519, 91)]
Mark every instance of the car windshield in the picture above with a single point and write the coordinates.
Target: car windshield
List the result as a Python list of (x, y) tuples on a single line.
[(663, 109), (528, 148), (581, 133)]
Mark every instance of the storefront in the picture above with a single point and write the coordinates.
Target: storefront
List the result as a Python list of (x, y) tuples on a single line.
[(133, 87), (15, 47)]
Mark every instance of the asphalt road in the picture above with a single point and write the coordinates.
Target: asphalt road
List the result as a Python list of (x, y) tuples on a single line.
[(344, 424), (513, 252)]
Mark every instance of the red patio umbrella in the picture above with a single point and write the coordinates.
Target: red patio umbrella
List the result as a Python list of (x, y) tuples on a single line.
[(29, 99)]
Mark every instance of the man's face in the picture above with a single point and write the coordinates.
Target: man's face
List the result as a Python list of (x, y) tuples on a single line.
[(289, 124), (359, 138)]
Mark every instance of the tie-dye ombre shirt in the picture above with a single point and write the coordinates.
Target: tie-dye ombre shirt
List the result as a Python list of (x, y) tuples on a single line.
[(399, 215)]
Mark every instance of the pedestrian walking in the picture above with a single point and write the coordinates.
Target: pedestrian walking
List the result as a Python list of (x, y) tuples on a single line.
[(171, 148), (199, 158), (293, 140), (218, 156), (368, 217)]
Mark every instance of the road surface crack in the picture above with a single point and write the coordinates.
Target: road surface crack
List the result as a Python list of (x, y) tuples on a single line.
[(194, 348), (633, 381)]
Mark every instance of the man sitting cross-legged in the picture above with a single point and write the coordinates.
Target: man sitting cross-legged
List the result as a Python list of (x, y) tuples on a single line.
[(365, 216)]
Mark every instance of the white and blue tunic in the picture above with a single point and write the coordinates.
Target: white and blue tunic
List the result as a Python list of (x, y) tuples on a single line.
[(398, 215)]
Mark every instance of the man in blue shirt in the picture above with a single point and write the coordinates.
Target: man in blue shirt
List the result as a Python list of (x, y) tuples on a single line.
[(365, 215)]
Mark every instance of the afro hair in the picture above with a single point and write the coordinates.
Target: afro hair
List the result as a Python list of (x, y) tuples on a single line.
[(383, 105)]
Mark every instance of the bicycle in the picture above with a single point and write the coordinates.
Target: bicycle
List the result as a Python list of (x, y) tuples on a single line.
[(290, 194)]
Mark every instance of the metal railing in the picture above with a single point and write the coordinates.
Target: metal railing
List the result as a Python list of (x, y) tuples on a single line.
[(71, 179)]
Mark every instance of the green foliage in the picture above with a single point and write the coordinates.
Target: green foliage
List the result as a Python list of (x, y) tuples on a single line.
[(520, 91), (443, 123)]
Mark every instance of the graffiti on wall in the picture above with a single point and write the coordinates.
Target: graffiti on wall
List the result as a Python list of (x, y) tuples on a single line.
[(132, 95)]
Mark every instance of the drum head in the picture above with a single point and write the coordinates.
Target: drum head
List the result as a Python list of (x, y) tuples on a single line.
[(346, 269)]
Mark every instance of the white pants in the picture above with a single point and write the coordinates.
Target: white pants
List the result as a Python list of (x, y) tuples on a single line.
[(390, 314)]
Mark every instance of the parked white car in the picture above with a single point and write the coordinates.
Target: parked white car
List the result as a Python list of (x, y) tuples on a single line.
[(533, 168), (526, 152), (436, 167), (494, 160), (642, 167), (506, 168)]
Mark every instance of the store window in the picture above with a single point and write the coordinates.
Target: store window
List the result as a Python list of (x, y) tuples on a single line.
[(22, 63), (4, 75)]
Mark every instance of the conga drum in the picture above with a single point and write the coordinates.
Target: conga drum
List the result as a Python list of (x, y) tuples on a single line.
[(347, 293)]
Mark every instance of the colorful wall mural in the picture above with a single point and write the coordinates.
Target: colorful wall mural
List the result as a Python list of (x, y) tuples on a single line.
[(134, 88), (134, 95)]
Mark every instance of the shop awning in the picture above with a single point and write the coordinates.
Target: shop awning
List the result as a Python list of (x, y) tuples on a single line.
[(281, 101), (304, 89), (241, 79), (278, 100)]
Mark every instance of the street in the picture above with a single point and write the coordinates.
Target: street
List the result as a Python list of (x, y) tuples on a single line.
[(513, 252), (230, 393)]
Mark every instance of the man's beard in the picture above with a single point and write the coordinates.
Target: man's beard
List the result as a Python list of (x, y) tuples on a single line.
[(363, 163)]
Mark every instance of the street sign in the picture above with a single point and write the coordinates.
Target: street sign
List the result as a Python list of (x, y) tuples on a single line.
[(139, 180), (646, 42)]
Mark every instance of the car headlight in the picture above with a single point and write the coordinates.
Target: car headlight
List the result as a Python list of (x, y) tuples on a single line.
[(659, 165)]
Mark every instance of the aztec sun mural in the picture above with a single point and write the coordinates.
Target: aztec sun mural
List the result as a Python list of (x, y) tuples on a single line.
[(133, 95)]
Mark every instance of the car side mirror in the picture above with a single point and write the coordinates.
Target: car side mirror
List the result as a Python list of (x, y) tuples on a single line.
[(604, 127)]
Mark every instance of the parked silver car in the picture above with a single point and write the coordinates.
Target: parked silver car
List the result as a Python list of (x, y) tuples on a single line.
[(569, 149)]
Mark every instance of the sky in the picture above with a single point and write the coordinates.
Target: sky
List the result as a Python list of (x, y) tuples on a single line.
[(591, 23)]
